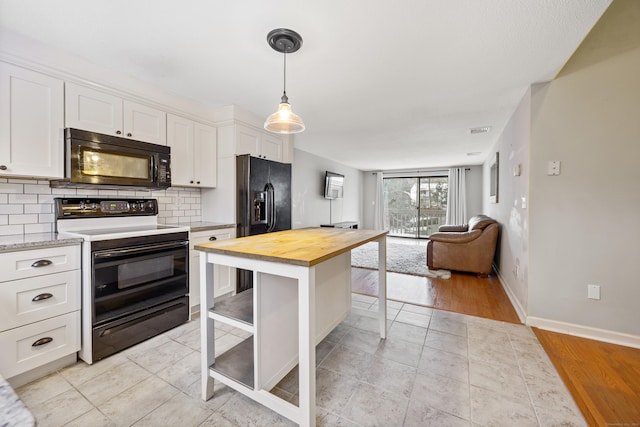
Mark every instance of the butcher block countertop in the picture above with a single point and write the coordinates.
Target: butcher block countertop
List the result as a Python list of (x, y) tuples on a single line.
[(304, 246)]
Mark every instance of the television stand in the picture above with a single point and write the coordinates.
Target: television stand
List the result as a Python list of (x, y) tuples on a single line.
[(344, 224)]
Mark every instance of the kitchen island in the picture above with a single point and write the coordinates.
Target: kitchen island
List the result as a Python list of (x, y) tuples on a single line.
[(302, 291)]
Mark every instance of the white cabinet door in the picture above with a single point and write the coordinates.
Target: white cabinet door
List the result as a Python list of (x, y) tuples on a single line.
[(259, 143), (205, 155), (247, 141), (271, 147), (144, 123), (97, 111), (92, 110), (180, 139), (224, 277), (31, 123), (193, 152)]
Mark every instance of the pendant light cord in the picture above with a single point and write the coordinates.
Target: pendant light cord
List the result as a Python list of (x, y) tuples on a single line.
[(284, 96)]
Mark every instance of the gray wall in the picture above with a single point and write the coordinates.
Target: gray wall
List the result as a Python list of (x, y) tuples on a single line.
[(512, 209), (585, 224), (580, 227), (310, 208)]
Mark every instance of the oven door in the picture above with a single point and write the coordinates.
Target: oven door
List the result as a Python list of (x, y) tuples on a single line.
[(128, 279)]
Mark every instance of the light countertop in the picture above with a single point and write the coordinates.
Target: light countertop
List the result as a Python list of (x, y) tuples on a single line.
[(21, 242), (305, 246)]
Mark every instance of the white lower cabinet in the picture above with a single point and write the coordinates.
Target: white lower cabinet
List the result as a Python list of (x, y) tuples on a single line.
[(36, 344), (224, 277), (39, 307)]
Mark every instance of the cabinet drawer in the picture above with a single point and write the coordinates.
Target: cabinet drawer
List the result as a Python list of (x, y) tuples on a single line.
[(200, 237), (37, 298), (36, 344), (36, 262)]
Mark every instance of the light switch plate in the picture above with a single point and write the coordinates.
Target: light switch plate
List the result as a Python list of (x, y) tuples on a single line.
[(593, 291), (553, 168)]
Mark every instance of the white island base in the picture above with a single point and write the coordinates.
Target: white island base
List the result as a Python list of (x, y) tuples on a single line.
[(289, 311)]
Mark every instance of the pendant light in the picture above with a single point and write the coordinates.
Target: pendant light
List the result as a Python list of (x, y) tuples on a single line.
[(284, 120)]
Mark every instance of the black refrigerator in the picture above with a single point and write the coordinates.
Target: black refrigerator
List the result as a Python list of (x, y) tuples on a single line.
[(263, 202)]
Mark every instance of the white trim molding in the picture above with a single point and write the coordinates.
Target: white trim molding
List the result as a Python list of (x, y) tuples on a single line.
[(612, 337), (515, 302)]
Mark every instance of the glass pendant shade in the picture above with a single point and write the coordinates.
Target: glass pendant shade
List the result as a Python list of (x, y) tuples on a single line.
[(284, 120)]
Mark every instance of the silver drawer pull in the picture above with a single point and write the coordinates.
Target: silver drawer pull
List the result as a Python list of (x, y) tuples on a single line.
[(42, 341), (41, 263), (213, 238), (42, 297)]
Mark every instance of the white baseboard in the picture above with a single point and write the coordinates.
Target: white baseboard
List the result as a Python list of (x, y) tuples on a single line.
[(612, 337), (520, 311)]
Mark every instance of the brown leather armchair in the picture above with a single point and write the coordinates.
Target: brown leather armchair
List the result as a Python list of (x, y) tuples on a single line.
[(470, 247)]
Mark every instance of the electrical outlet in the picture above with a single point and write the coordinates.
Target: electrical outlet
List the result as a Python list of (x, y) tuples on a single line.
[(593, 291)]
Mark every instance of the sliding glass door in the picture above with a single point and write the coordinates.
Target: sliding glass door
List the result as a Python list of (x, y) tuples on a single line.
[(415, 206)]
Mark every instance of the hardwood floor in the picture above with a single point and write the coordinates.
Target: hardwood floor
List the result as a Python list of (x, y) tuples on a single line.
[(603, 378), (462, 293)]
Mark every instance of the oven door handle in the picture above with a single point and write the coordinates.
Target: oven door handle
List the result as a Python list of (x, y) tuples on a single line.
[(140, 249)]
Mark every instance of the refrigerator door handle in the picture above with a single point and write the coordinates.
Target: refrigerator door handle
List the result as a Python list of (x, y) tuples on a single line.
[(271, 207)]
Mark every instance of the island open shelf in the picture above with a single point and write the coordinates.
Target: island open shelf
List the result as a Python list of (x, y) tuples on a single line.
[(237, 363), (302, 291), (235, 310)]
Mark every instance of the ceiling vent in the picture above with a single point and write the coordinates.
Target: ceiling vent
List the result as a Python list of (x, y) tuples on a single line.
[(483, 129)]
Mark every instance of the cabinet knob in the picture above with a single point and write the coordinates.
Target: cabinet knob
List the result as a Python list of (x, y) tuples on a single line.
[(213, 238), (3, 168), (191, 182), (129, 134), (118, 132), (198, 182)]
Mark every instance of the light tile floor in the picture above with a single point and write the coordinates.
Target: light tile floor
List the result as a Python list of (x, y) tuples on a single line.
[(435, 368)]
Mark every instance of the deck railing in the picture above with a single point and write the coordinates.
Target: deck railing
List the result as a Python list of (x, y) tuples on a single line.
[(405, 223)]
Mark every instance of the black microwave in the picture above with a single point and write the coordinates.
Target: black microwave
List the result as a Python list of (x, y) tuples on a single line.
[(94, 159)]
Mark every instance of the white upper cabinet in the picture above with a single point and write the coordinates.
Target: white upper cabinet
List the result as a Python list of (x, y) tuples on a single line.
[(144, 123), (31, 123), (205, 149), (193, 152), (259, 143), (97, 111)]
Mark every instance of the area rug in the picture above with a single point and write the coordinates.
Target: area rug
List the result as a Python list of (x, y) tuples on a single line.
[(401, 258)]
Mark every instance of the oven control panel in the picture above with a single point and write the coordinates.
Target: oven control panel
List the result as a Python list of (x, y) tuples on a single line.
[(99, 207)]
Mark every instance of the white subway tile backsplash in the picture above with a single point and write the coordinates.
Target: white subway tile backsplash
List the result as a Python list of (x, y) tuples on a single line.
[(11, 188), (40, 208), (37, 189), (46, 218), (23, 219), (6, 230), (23, 198), (38, 228), (27, 206), (6, 208)]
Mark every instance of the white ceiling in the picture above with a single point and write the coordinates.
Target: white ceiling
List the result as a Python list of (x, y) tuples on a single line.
[(380, 84)]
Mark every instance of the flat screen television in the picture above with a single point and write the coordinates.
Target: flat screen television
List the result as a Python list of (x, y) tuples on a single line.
[(333, 185)]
